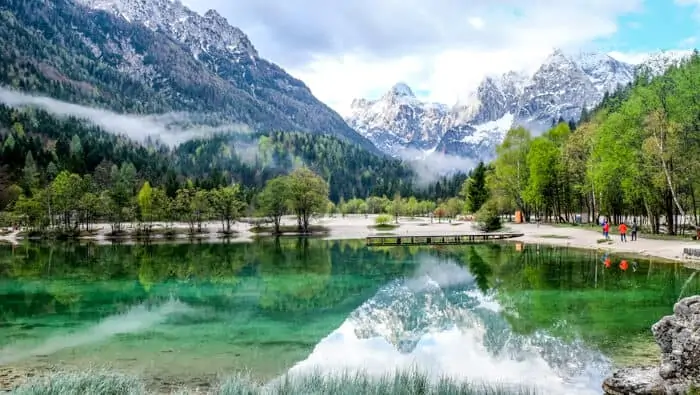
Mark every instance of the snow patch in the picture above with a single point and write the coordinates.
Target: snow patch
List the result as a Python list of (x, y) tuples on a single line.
[(486, 130)]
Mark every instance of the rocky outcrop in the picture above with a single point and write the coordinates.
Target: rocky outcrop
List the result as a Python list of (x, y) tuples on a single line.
[(678, 336)]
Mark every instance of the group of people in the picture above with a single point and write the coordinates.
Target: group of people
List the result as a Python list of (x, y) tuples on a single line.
[(623, 230)]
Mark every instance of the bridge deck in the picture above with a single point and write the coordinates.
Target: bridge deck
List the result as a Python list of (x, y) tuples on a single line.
[(397, 240)]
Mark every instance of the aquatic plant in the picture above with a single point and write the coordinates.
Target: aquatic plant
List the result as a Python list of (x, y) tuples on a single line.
[(398, 383), (315, 383), (97, 382)]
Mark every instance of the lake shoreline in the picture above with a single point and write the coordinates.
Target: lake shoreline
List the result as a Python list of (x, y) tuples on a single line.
[(361, 226)]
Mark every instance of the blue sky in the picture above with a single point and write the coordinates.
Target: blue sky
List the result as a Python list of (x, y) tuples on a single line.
[(661, 25), (444, 48)]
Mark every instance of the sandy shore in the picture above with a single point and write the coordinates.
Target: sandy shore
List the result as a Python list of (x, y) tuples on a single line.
[(359, 226)]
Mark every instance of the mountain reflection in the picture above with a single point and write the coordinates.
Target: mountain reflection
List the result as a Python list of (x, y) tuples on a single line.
[(438, 320), (270, 304)]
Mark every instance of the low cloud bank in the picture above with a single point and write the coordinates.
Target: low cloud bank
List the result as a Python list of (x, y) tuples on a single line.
[(430, 167), (167, 128)]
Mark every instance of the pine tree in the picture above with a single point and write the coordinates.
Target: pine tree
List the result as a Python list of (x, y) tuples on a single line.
[(30, 174)]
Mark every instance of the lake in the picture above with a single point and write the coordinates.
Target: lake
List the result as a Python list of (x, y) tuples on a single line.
[(188, 314)]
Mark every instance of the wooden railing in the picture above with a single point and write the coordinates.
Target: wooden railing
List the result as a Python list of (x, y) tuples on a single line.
[(438, 240)]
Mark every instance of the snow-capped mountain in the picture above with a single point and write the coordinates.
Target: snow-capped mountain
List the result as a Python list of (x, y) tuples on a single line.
[(200, 33), (658, 62), (399, 120), (559, 89), (158, 56)]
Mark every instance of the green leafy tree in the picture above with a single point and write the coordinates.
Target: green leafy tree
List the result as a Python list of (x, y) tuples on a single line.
[(397, 207), (145, 202), (226, 203), (66, 193), (511, 170), (308, 194), (90, 208), (274, 200)]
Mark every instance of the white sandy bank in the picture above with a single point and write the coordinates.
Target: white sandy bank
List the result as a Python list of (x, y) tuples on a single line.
[(359, 226)]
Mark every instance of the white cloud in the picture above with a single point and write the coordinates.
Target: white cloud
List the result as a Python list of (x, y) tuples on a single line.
[(346, 50), (629, 57), (477, 23), (691, 3)]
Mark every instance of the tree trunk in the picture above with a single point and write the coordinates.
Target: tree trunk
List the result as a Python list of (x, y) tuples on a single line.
[(670, 217), (277, 220)]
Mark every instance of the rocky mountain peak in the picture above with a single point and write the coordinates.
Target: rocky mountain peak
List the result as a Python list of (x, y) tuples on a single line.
[(398, 120), (213, 14), (400, 89), (558, 61), (561, 87), (200, 33), (656, 63), (556, 56)]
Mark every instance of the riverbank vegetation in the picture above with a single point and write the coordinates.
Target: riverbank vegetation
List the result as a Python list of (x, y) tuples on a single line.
[(61, 176), (70, 205), (635, 156), (399, 383)]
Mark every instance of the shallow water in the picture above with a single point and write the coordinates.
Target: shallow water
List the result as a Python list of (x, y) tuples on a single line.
[(185, 314)]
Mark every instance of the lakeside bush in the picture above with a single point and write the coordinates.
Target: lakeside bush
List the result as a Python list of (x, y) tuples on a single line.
[(487, 218), (317, 383), (382, 220)]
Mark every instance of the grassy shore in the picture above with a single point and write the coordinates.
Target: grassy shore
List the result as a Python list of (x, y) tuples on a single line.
[(399, 383)]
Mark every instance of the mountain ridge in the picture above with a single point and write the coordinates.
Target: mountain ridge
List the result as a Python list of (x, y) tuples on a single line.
[(146, 57), (563, 85)]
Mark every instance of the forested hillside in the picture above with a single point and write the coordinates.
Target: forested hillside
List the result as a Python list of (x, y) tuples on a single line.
[(637, 154), (68, 51), (35, 146)]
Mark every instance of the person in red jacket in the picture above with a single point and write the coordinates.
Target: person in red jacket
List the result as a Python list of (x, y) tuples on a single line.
[(623, 232), (606, 230)]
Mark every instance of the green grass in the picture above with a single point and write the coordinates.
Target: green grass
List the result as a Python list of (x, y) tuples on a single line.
[(399, 383)]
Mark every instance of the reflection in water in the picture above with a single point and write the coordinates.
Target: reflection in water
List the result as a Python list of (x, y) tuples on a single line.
[(438, 321), (137, 319), (483, 312)]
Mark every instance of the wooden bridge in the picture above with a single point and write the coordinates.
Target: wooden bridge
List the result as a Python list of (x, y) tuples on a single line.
[(395, 240)]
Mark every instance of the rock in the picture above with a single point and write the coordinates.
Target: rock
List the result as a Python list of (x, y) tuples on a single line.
[(678, 337)]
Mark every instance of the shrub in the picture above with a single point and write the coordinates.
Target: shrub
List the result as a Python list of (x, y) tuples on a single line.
[(487, 218), (382, 220)]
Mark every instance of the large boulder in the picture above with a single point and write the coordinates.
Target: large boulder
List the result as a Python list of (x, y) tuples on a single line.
[(678, 336)]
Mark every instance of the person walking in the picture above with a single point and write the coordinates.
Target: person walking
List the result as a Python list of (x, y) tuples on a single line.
[(623, 232), (635, 228), (606, 230)]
